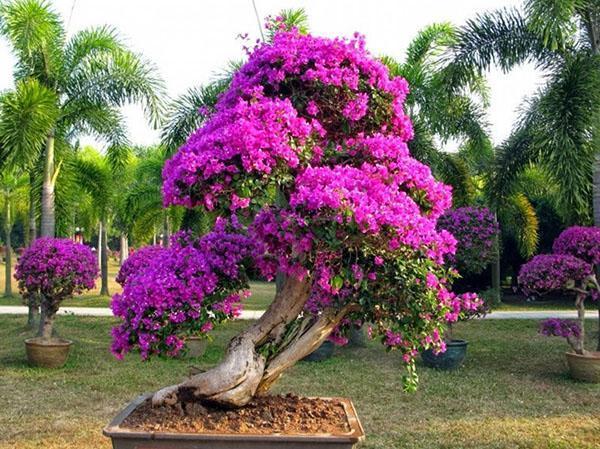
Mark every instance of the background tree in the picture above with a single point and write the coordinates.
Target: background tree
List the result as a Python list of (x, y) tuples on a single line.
[(13, 194), (558, 126), (105, 182), (82, 81)]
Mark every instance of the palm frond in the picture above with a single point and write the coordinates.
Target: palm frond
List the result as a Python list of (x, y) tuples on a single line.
[(188, 112), (454, 171), (27, 114), (291, 18), (500, 37), (116, 78), (518, 217), (568, 116), (430, 43), (36, 35), (553, 21)]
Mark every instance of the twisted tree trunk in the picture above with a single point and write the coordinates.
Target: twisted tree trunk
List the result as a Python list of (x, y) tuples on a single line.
[(244, 372)]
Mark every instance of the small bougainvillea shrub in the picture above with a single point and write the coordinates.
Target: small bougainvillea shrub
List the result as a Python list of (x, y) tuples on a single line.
[(582, 242), (185, 289), (305, 158), (52, 270), (567, 272), (476, 230)]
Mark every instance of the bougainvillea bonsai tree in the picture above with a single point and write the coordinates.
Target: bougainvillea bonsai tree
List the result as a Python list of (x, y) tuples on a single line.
[(305, 159), (571, 268), (50, 271), (475, 230)]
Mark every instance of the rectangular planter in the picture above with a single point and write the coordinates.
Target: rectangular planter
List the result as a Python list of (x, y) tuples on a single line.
[(123, 438)]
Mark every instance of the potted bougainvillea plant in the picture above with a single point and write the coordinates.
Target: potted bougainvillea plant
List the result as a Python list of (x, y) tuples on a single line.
[(50, 271), (305, 160), (475, 230), (576, 251), (194, 333)]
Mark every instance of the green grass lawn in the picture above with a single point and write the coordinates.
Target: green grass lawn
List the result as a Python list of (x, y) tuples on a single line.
[(262, 292), (513, 392)]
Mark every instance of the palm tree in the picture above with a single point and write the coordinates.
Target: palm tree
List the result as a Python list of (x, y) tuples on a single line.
[(13, 190), (82, 81), (105, 182), (142, 201), (559, 125)]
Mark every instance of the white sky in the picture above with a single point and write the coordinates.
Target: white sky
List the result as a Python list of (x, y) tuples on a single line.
[(190, 40)]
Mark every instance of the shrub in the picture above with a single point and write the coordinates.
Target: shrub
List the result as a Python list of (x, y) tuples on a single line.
[(475, 230), (565, 271), (579, 241), (52, 270)]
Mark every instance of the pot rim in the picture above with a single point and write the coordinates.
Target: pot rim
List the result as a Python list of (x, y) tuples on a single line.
[(52, 343), (457, 342), (356, 434), (591, 355)]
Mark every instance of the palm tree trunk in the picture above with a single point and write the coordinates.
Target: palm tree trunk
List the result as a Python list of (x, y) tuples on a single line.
[(8, 251), (124, 252), (104, 260), (32, 232), (166, 230), (99, 246), (47, 227)]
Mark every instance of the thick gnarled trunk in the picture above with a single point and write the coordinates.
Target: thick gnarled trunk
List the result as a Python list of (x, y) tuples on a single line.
[(244, 372)]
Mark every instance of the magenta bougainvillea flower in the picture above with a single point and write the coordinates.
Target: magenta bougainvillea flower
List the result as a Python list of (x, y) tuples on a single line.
[(551, 272), (579, 241), (475, 229)]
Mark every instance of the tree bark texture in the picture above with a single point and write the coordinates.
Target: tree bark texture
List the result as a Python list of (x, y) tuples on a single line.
[(104, 260), (47, 226), (244, 372), (8, 250)]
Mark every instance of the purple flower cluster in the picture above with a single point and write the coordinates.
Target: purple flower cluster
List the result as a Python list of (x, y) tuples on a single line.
[(183, 290), (579, 241), (53, 269), (139, 260), (556, 327), (475, 229), (548, 272)]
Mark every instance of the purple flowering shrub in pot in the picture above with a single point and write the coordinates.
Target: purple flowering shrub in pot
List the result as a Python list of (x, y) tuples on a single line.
[(305, 160), (572, 269), (50, 271), (452, 353)]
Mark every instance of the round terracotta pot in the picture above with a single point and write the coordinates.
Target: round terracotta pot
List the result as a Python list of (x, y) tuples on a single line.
[(47, 353), (584, 367), (196, 346)]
